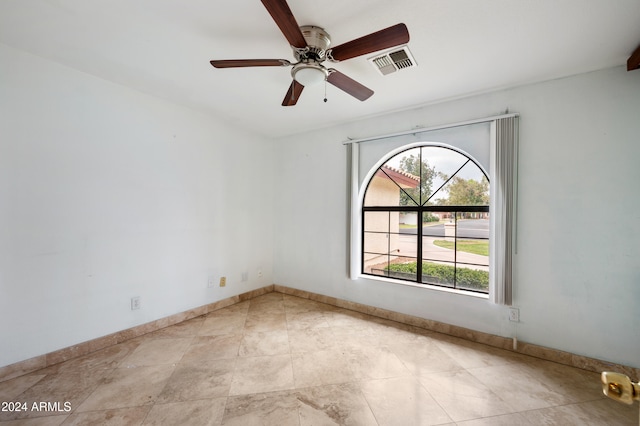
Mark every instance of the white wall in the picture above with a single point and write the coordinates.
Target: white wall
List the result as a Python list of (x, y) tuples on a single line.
[(577, 273), (106, 194)]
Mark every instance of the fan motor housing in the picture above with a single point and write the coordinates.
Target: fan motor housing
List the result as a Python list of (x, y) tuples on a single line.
[(318, 41)]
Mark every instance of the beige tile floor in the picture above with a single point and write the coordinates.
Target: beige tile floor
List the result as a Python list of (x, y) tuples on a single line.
[(281, 360)]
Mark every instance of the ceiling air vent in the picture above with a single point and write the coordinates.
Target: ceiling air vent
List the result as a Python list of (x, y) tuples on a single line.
[(393, 60)]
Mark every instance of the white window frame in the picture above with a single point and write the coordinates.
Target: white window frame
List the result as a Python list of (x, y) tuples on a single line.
[(503, 190)]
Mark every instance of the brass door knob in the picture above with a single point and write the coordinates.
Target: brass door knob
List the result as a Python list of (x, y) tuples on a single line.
[(620, 387)]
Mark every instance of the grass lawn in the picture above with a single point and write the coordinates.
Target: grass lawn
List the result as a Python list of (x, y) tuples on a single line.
[(480, 247), (406, 226)]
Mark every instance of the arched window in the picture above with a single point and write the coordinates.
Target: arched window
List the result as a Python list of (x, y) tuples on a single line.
[(425, 217)]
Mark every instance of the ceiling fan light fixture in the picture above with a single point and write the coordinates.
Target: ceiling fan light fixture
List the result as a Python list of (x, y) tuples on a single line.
[(311, 47), (309, 74)]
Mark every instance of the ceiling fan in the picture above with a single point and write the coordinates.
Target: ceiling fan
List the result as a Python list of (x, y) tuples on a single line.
[(310, 46)]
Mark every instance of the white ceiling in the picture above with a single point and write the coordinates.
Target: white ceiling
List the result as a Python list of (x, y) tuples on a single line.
[(163, 48)]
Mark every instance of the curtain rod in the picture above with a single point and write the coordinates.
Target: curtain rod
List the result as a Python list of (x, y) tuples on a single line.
[(432, 128)]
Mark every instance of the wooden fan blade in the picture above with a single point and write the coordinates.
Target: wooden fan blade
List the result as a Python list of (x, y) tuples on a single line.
[(293, 94), (281, 14), (349, 85), (237, 63), (383, 39)]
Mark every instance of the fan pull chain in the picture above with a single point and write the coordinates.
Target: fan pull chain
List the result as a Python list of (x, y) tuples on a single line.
[(325, 90)]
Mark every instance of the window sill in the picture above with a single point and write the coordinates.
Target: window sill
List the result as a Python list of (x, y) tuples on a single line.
[(425, 286)]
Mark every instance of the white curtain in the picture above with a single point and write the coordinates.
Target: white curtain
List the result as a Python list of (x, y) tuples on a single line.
[(503, 177)]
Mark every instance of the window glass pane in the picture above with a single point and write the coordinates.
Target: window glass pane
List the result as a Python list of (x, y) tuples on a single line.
[(377, 266), (376, 242), (472, 251), (433, 223), (404, 268), (404, 170), (388, 188), (394, 222), (438, 249), (408, 222), (472, 277), (473, 225), (468, 187), (394, 183), (376, 250), (376, 221), (406, 245), (391, 254), (438, 273), (444, 163), (438, 254), (433, 218)]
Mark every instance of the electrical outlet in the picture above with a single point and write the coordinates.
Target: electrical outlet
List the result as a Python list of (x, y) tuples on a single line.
[(211, 282), (259, 273), (135, 303), (245, 276), (223, 281), (514, 314)]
